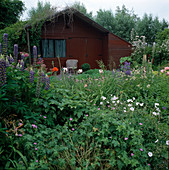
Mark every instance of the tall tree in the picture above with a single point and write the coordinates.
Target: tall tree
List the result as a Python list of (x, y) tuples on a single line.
[(10, 12), (149, 27), (42, 11), (120, 23), (81, 8)]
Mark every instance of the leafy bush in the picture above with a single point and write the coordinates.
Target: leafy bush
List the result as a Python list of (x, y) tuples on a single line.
[(85, 67)]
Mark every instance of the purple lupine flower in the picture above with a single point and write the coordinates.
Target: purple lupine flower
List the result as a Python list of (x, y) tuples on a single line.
[(31, 76), (10, 59), (5, 44), (34, 55), (47, 81), (0, 48), (2, 71), (15, 53), (128, 72), (38, 85), (43, 77)]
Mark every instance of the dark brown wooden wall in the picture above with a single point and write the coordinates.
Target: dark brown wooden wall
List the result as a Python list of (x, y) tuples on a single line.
[(117, 48), (83, 42)]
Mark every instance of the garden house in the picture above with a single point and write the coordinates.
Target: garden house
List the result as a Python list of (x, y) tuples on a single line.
[(72, 35)]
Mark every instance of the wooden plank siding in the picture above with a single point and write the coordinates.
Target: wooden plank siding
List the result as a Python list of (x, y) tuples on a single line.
[(85, 41)]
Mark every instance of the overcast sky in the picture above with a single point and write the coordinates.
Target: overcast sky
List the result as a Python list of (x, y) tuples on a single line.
[(158, 8)]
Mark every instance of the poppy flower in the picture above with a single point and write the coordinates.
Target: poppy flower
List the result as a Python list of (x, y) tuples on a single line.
[(55, 69)]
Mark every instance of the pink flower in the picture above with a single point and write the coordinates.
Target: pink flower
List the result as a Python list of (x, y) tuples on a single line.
[(98, 108), (34, 126), (44, 117), (140, 124), (108, 106), (141, 149), (36, 160), (167, 73), (132, 154), (113, 108), (87, 115), (162, 71), (125, 138), (166, 68), (73, 129), (148, 164), (70, 119), (36, 149), (35, 143), (20, 135), (26, 55)]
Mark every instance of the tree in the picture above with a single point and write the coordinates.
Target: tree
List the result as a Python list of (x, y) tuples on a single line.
[(106, 19), (10, 12), (120, 23), (81, 8), (149, 27), (41, 12)]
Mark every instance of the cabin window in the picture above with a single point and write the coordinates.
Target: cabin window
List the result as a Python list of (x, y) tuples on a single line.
[(53, 48)]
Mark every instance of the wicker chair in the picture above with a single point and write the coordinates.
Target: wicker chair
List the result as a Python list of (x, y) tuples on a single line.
[(71, 65)]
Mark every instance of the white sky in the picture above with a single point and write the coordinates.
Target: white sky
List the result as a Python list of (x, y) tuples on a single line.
[(158, 8)]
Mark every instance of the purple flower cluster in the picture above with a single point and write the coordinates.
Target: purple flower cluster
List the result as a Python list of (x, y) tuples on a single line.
[(16, 52), (2, 71), (47, 81), (10, 59), (126, 68), (34, 55), (31, 76), (5, 44)]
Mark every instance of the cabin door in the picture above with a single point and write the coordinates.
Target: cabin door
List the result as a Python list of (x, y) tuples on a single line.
[(85, 50)]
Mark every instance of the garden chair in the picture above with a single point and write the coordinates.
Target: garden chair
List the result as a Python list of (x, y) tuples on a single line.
[(71, 65)]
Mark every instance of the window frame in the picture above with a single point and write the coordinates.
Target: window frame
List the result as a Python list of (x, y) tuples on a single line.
[(54, 50)]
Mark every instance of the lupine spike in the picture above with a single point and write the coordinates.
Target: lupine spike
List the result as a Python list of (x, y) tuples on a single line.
[(47, 81), (31, 76), (0, 48), (38, 86), (5, 44), (15, 53), (34, 55), (2, 71)]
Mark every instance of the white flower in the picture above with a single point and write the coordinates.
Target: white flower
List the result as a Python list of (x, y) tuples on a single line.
[(167, 142), (108, 102), (150, 154), (114, 98), (148, 85), (137, 103), (134, 98), (129, 105), (124, 107), (156, 141), (154, 113), (141, 104), (156, 104), (124, 110), (101, 103), (129, 100), (158, 109), (65, 69), (104, 98), (100, 71), (79, 71), (132, 108), (113, 102), (118, 101)]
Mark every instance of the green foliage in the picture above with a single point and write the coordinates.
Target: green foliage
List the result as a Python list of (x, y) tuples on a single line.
[(149, 27), (10, 12), (81, 8), (85, 67)]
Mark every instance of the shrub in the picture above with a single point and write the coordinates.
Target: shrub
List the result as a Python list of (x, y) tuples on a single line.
[(85, 67)]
